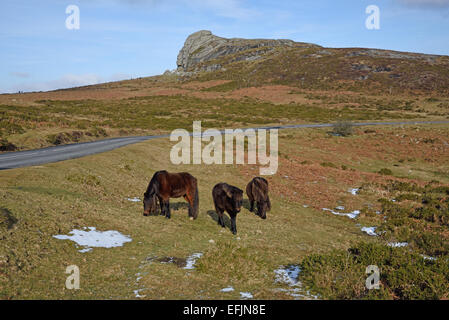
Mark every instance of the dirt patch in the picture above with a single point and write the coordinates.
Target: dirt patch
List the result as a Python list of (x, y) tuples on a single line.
[(179, 262), (277, 94), (198, 85), (315, 185), (7, 220), (321, 174)]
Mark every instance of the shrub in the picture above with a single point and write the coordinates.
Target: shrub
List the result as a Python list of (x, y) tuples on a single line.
[(328, 164), (99, 132), (343, 128), (386, 172), (5, 145), (59, 138), (430, 243), (421, 221), (404, 275), (10, 128)]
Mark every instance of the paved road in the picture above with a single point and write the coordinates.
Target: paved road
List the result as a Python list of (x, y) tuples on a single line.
[(19, 159)]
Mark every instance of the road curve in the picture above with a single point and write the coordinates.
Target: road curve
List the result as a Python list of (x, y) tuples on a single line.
[(34, 157)]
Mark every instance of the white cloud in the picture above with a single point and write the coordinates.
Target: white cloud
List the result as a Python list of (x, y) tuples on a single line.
[(20, 74)]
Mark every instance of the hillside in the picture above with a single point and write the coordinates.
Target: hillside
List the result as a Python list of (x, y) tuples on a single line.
[(260, 61), (235, 83), (376, 195)]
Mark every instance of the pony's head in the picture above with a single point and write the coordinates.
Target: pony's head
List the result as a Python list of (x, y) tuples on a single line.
[(262, 207), (149, 204), (235, 196)]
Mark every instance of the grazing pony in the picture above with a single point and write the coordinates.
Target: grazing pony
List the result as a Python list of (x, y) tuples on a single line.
[(165, 185), (227, 198), (257, 191)]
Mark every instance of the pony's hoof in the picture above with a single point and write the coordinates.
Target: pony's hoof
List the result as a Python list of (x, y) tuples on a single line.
[(191, 218)]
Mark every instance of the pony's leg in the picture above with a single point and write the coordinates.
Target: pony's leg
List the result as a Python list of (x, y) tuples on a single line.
[(258, 209), (190, 200), (167, 209), (220, 216), (233, 224), (252, 205), (220, 219), (161, 203)]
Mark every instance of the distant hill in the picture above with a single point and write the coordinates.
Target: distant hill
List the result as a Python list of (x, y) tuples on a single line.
[(235, 83), (255, 62)]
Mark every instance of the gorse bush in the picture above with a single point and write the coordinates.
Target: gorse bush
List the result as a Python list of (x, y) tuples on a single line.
[(404, 275), (5, 145), (420, 216), (343, 128), (328, 164), (420, 270), (386, 172), (7, 128)]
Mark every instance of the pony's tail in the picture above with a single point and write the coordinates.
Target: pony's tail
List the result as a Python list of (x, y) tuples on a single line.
[(196, 202)]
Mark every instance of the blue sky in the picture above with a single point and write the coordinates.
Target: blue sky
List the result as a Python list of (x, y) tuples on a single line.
[(122, 39)]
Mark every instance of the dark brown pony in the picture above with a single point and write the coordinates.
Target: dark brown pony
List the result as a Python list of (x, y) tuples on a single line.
[(164, 185), (257, 191), (227, 198)]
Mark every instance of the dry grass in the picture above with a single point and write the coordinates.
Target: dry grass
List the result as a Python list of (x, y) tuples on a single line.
[(92, 191), (55, 198)]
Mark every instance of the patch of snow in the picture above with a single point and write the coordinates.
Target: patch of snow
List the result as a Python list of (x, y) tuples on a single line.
[(227, 289), (288, 275), (354, 191), (136, 293), (93, 238), (428, 257), (370, 231), (305, 205), (340, 208), (397, 244), (135, 199), (351, 215), (191, 260), (297, 293), (246, 295)]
